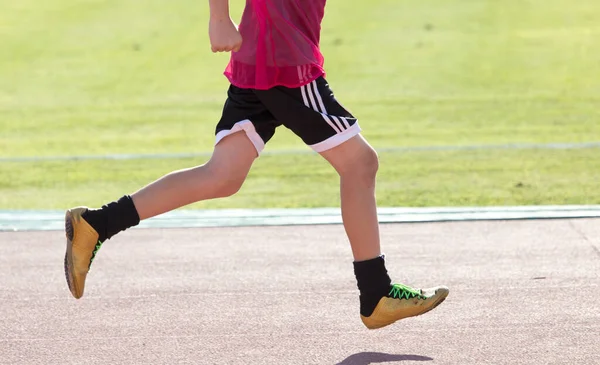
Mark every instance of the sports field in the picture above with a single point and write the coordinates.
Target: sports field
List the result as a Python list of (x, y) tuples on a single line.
[(102, 77)]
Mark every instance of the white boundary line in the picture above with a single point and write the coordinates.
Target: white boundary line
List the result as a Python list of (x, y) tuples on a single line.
[(158, 156), (54, 220)]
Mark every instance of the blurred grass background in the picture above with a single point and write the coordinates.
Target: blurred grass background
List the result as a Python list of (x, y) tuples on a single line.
[(95, 77)]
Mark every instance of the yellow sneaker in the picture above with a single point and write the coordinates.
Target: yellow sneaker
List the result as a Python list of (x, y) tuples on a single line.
[(402, 302), (82, 246)]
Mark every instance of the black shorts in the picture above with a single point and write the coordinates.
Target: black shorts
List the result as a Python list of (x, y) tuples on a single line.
[(310, 111)]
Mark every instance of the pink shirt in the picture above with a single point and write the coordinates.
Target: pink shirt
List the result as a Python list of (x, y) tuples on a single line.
[(280, 44)]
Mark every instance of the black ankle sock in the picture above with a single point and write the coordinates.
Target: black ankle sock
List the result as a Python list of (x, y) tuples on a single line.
[(113, 217), (373, 283)]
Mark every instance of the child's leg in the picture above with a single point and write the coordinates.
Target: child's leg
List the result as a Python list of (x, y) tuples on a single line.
[(380, 302), (313, 113), (86, 229), (221, 176), (356, 162), (240, 135)]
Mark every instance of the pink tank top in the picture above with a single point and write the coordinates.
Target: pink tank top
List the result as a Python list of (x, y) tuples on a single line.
[(280, 44)]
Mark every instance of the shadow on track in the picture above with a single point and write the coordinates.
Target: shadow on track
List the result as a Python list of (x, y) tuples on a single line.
[(366, 358)]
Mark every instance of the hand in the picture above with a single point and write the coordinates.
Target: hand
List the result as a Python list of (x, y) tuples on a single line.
[(224, 36)]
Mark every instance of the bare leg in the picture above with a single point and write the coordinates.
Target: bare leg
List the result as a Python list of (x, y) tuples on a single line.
[(221, 176), (87, 229), (356, 162)]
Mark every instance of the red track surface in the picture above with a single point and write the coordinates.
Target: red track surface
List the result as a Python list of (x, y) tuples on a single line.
[(522, 292)]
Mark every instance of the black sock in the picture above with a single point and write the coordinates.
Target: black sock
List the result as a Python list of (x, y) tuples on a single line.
[(373, 283), (113, 217)]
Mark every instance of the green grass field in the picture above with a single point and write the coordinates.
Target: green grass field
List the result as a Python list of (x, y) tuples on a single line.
[(92, 77)]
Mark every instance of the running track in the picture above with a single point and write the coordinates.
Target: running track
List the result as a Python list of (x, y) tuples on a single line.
[(522, 292)]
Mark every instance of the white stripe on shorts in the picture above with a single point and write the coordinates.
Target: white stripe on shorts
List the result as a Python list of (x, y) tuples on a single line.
[(323, 110), (311, 97), (303, 91), (319, 98), (345, 122), (306, 89), (338, 122)]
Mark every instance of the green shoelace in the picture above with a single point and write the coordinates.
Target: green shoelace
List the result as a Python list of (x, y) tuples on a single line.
[(98, 245), (399, 291)]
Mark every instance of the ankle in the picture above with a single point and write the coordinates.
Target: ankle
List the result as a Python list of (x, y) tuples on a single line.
[(112, 218), (373, 283), (371, 275), (369, 301), (97, 219)]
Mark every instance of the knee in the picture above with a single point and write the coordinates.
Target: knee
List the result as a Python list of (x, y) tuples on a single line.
[(226, 182), (228, 185), (364, 166), (368, 163)]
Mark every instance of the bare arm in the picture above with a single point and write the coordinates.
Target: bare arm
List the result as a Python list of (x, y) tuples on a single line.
[(223, 33), (219, 10)]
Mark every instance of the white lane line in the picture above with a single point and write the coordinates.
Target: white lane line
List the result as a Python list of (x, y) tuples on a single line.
[(161, 156), (14, 220)]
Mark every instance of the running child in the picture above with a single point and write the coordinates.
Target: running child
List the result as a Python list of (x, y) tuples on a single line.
[(277, 78)]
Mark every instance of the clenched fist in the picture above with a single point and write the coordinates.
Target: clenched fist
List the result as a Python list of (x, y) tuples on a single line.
[(224, 36)]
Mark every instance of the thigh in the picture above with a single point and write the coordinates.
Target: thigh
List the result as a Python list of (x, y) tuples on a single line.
[(232, 158), (311, 112), (243, 111)]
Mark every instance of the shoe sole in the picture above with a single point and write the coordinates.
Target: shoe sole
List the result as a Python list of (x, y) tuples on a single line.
[(69, 232), (440, 301)]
